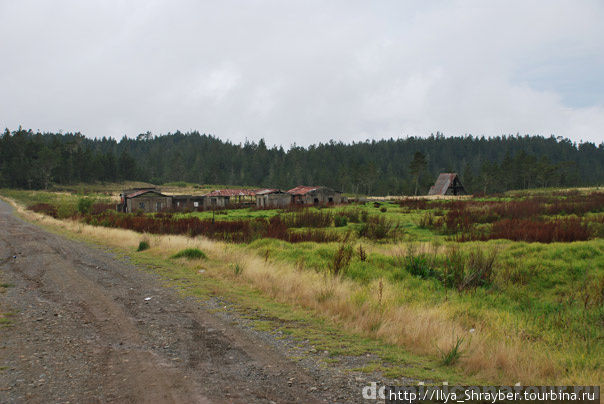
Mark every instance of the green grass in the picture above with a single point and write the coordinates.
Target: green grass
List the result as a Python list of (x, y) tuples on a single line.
[(304, 327), (66, 203), (451, 356), (190, 254), (232, 214), (539, 290), (546, 293)]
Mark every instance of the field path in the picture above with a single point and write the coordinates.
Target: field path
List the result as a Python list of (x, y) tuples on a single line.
[(81, 330)]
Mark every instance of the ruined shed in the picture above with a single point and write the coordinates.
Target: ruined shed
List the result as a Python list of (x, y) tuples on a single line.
[(272, 198), (223, 198), (188, 202), (145, 200), (307, 195), (447, 184)]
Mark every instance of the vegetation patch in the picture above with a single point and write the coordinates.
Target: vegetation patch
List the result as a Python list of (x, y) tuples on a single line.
[(191, 254), (535, 303)]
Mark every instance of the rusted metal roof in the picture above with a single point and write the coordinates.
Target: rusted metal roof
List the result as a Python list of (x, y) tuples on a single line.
[(443, 182), (302, 190), (232, 192), (142, 192), (184, 197), (269, 191)]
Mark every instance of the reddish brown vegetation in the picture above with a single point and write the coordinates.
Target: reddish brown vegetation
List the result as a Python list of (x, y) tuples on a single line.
[(530, 230), (413, 204), (308, 218), (237, 231), (521, 220), (569, 229), (44, 208), (98, 208)]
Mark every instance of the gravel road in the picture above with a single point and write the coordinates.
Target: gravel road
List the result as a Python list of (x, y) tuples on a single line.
[(81, 330)]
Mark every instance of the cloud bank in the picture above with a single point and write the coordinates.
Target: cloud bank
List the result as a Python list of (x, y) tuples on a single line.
[(304, 71)]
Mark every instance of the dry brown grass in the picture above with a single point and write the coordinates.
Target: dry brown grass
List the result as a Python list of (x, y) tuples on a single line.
[(490, 353)]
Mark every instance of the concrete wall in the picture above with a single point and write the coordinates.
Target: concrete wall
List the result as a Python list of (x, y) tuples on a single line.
[(191, 203), (216, 202), (321, 196), (276, 200)]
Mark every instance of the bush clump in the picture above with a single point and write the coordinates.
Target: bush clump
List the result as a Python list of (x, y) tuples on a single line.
[(191, 254), (143, 245), (466, 272), (376, 228), (308, 218), (45, 208), (340, 221), (84, 205), (341, 259)]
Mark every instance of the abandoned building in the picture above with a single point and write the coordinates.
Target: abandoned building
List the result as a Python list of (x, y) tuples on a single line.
[(152, 200), (228, 197), (188, 202), (447, 184), (144, 199), (305, 195), (272, 198)]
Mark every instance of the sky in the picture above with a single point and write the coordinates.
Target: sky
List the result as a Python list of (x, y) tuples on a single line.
[(304, 71)]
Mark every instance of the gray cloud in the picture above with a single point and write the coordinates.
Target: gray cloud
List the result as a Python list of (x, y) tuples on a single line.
[(304, 71)]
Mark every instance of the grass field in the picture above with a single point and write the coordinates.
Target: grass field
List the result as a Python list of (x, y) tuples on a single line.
[(409, 280)]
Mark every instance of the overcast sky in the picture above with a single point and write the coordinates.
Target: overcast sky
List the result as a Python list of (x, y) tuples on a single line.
[(304, 71)]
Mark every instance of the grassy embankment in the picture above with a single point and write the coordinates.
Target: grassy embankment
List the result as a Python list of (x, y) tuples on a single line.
[(538, 321)]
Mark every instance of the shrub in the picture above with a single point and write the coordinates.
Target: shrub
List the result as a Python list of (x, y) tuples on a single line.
[(362, 253), (427, 221), (479, 269), (364, 216), (84, 205), (308, 218), (191, 254), (453, 354), (341, 259), (237, 269), (353, 215), (420, 266), (592, 292), (340, 221), (143, 245), (469, 271), (376, 228), (383, 209), (98, 208), (454, 268), (457, 220), (44, 208)]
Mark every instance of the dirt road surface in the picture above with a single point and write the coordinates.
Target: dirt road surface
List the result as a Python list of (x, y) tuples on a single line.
[(82, 331)]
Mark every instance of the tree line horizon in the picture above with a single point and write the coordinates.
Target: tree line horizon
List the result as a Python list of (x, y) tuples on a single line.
[(404, 166)]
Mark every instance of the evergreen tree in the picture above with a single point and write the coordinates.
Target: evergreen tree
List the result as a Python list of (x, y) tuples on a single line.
[(417, 166)]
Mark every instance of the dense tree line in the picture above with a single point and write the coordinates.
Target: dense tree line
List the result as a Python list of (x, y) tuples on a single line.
[(394, 166)]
